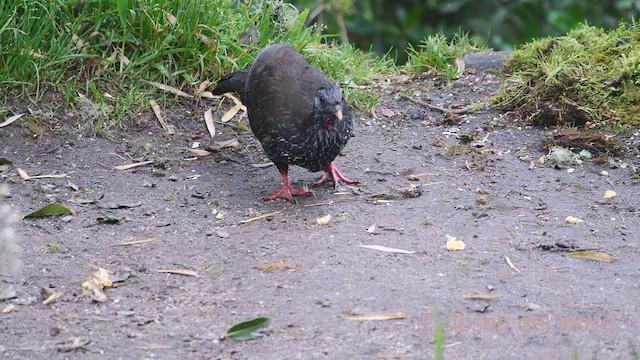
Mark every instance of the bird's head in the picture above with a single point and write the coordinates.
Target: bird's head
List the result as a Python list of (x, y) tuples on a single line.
[(328, 101)]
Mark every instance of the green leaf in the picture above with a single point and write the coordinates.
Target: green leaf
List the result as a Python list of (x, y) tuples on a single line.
[(50, 210), (245, 330)]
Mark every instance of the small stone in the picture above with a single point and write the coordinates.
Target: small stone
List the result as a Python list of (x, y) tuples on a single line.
[(222, 234), (67, 218)]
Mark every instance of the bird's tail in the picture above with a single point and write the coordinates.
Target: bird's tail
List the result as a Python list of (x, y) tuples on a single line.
[(233, 82)]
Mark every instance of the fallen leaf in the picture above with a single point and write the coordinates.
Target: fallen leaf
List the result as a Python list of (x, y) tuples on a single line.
[(386, 249), (246, 330), (597, 256), (52, 298), (231, 113), (131, 166), (506, 258), (97, 283), (199, 152), (324, 220), (169, 89), (171, 19), (178, 272), (452, 244), (573, 220), (377, 317), (482, 297), (11, 119), (277, 266), (263, 165), (23, 174), (158, 113), (208, 120), (236, 101), (73, 186), (8, 309), (609, 194), (50, 210), (223, 144), (203, 85)]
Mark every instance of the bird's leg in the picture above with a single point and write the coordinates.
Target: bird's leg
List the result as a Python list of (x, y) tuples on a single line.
[(287, 190), (332, 172)]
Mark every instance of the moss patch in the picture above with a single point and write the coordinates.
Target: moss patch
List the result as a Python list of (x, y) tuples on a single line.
[(587, 78)]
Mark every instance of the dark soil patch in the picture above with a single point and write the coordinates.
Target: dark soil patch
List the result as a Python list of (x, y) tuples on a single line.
[(494, 196)]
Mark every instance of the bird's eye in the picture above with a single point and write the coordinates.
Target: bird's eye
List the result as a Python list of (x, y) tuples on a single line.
[(322, 100)]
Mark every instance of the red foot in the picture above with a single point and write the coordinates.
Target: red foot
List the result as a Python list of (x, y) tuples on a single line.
[(286, 191), (332, 172)]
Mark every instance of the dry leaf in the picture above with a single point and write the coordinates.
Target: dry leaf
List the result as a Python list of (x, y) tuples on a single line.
[(223, 144), (208, 120), (208, 95), (156, 110), (11, 119), (324, 220), (386, 249), (236, 101), (482, 297), (597, 256), (52, 298), (99, 280), (377, 317), (171, 19), (130, 166), (231, 113), (609, 194), (573, 220), (169, 89), (263, 165), (179, 272), (452, 244), (203, 85), (199, 152), (506, 258), (23, 174)]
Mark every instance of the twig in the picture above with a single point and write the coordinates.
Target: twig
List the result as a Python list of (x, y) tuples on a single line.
[(246, 221), (463, 110), (136, 242)]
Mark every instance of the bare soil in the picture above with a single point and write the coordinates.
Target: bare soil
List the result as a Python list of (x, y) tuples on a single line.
[(419, 183)]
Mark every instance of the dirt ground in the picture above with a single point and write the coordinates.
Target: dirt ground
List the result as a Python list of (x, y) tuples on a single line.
[(419, 183)]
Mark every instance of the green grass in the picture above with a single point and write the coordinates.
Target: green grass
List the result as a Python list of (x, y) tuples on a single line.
[(97, 53), (590, 78), (438, 54), (439, 338)]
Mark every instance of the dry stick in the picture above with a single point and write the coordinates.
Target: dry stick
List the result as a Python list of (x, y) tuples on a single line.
[(463, 110), (245, 221)]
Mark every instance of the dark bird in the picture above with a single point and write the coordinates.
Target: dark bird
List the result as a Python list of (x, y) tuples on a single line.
[(297, 114)]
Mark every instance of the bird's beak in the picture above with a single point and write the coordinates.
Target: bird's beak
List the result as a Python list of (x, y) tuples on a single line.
[(338, 114)]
